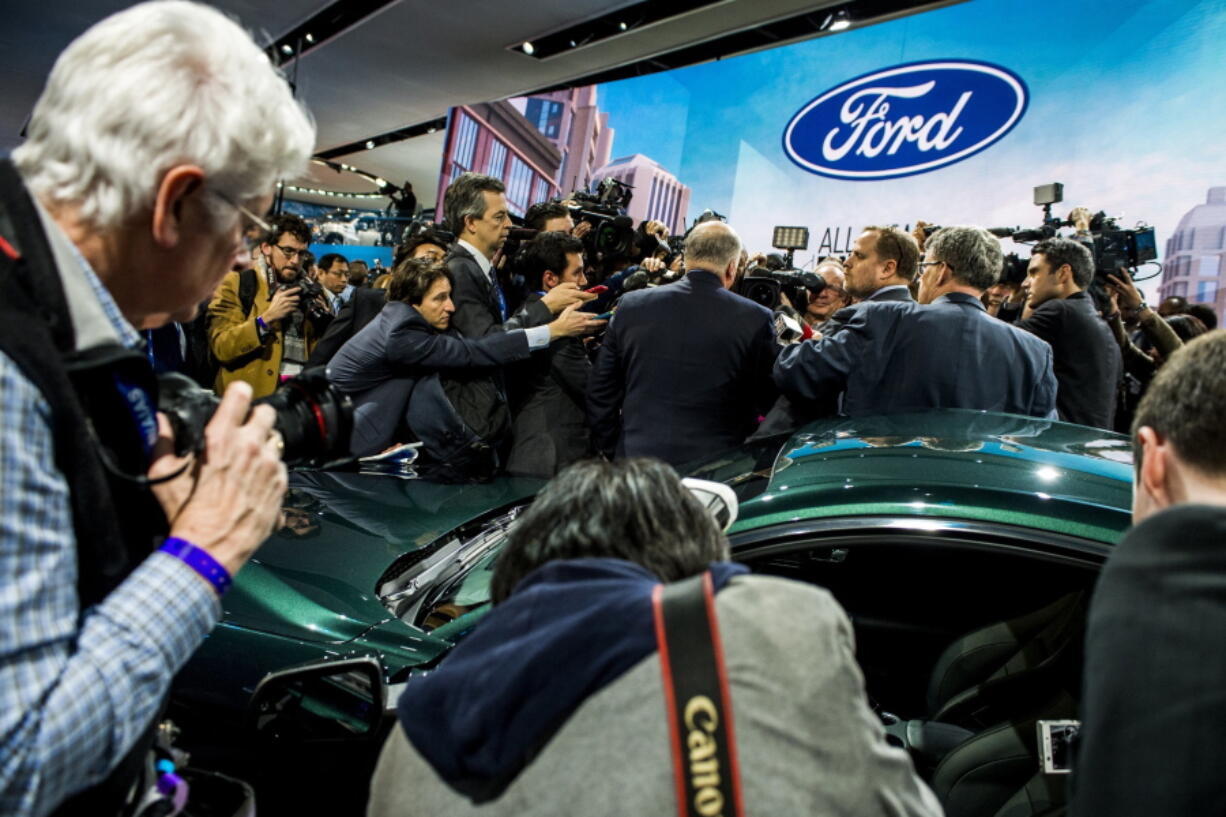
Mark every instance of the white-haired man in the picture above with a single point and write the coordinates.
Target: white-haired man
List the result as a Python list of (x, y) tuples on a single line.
[(122, 211)]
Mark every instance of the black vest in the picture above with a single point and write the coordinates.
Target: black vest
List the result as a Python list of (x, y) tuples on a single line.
[(116, 523)]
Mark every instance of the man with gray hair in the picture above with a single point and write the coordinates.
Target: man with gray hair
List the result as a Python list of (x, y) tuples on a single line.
[(476, 210), (685, 368), (943, 352), (122, 211), (1087, 360)]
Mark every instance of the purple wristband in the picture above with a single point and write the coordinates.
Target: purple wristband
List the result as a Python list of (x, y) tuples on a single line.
[(260, 326), (200, 561)]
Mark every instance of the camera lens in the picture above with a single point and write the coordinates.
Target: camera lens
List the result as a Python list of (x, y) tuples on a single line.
[(314, 418)]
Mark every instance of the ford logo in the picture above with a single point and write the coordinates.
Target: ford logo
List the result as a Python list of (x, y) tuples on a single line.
[(905, 120)]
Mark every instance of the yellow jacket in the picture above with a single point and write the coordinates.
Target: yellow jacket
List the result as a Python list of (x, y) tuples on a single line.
[(235, 339)]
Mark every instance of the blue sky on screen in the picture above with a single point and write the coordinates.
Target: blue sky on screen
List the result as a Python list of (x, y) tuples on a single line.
[(1127, 108)]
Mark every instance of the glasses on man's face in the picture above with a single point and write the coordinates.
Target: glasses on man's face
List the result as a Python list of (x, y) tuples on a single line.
[(251, 217), (290, 253)]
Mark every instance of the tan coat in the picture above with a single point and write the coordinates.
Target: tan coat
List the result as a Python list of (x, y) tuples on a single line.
[(235, 340)]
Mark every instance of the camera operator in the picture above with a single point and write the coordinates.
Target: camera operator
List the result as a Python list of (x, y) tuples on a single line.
[(831, 299), (126, 208), (554, 217), (549, 429), (263, 322), (1059, 310)]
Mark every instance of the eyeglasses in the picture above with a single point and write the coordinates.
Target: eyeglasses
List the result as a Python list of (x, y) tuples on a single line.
[(244, 212), (290, 252), (933, 264)]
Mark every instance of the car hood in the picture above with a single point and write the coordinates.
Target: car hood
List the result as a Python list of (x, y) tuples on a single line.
[(948, 464), (316, 581)]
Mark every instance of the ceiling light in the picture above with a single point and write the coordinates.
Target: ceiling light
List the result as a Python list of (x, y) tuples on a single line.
[(840, 22), (622, 26), (309, 37), (527, 48), (431, 130), (370, 145), (286, 49)]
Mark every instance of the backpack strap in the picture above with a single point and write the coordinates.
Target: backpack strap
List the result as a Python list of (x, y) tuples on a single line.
[(705, 768), (247, 286)]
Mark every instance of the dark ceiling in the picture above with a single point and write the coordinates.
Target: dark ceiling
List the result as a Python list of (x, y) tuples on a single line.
[(407, 62)]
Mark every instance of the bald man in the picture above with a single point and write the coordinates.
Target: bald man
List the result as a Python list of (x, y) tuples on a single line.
[(685, 369)]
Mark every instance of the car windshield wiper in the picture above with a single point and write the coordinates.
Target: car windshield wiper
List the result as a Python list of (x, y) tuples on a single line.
[(442, 569)]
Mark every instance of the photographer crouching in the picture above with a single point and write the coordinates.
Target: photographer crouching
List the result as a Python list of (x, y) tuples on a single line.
[(122, 211)]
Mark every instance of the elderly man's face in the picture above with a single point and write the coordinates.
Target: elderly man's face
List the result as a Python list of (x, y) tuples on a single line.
[(831, 299)]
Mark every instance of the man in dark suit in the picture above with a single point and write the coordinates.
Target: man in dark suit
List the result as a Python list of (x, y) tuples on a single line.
[(366, 302), (390, 368), (1153, 705), (882, 264), (685, 368), (1061, 312), (943, 352), (550, 430), (476, 211)]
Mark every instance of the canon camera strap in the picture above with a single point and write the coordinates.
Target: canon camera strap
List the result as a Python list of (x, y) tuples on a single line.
[(705, 769)]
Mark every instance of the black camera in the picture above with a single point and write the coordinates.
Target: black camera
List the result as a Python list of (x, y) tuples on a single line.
[(612, 235), (314, 418), (1015, 269), (1117, 248), (764, 286), (309, 291)]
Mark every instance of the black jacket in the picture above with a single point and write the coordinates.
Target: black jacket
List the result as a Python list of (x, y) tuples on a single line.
[(684, 371), (1153, 706), (391, 370), (550, 426), (358, 311), (1087, 359)]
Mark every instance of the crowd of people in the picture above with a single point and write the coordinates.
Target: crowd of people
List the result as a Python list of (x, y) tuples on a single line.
[(139, 195)]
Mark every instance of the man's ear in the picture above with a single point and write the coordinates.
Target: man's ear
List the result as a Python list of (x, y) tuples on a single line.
[(169, 203), (1064, 275), (549, 280), (1154, 475)]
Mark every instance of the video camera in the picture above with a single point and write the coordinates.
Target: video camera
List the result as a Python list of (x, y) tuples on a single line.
[(612, 234), (764, 286), (1114, 248)]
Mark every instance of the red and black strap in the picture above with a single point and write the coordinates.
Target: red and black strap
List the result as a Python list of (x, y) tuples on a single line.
[(705, 769)]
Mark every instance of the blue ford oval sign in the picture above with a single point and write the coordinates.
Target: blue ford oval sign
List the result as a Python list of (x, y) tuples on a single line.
[(905, 120)]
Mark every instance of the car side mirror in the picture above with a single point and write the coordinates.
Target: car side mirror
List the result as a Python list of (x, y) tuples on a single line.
[(719, 500), (326, 701)]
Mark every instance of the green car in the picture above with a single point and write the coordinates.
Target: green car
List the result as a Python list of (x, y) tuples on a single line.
[(963, 546)]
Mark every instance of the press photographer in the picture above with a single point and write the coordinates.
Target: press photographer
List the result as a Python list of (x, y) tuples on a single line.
[(263, 322), (123, 210)]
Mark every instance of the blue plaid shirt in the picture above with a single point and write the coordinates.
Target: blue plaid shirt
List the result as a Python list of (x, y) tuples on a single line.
[(77, 687)]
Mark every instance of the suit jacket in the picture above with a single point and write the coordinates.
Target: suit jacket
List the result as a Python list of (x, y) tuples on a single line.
[(550, 427), (477, 311), (1153, 706), (687, 366), (356, 312), (1087, 359), (384, 366), (790, 412), (901, 356), (235, 339)]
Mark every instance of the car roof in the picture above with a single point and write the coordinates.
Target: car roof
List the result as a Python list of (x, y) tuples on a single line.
[(951, 464)]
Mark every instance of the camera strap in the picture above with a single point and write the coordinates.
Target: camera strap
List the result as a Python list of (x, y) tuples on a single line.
[(706, 773)]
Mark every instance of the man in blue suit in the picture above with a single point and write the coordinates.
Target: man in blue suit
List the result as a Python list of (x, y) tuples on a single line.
[(943, 352), (391, 367), (685, 368)]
